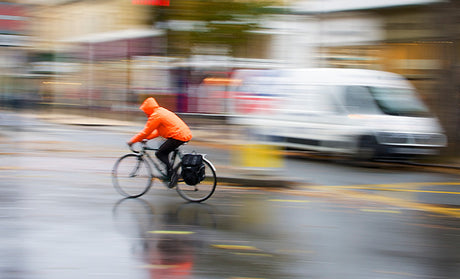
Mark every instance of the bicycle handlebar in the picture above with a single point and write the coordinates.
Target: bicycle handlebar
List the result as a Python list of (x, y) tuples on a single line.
[(132, 149), (144, 146)]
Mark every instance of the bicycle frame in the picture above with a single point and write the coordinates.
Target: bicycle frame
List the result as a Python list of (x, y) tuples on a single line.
[(143, 152), (176, 153), (154, 169)]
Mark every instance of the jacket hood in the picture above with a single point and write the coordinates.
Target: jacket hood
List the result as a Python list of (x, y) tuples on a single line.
[(149, 105)]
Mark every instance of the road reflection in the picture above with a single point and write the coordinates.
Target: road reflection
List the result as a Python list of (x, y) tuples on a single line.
[(165, 252), (190, 240)]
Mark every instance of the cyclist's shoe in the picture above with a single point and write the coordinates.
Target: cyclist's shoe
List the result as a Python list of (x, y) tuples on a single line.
[(173, 180), (167, 177), (169, 173)]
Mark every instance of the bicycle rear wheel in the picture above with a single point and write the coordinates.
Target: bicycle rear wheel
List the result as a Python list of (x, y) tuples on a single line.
[(132, 175), (203, 190)]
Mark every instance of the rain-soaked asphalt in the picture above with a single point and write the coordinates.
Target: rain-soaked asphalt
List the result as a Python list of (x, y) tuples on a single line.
[(61, 218)]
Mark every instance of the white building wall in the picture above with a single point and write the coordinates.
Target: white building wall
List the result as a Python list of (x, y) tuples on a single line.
[(327, 6), (297, 39), (294, 40)]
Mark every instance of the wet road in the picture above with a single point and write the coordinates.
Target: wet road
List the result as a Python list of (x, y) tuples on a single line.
[(61, 218)]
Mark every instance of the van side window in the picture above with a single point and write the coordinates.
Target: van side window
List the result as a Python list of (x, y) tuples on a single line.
[(358, 100)]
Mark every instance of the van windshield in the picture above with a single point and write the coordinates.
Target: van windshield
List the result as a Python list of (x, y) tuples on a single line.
[(392, 101), (398, 101)]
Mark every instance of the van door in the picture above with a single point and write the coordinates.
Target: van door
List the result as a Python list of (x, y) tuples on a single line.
[(316, 123)]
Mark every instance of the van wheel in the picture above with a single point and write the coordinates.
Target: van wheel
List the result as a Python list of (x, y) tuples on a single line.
[(367, 149)]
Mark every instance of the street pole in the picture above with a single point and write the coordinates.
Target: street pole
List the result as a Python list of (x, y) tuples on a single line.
[(449, 93)]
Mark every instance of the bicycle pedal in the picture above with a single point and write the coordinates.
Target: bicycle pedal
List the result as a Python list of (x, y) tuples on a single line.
[(173, 181)]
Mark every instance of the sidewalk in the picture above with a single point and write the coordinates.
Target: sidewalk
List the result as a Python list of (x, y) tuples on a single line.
[(227, 173), (214, 134)]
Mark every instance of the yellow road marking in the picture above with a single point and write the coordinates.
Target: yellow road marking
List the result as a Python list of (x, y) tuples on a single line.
[(403, 203), (434, 226), (171, 232), (281, 200), (235, 247), (11, 168), (252, 254), (380, 210), (350, 190), (403, 190), (392, 185)]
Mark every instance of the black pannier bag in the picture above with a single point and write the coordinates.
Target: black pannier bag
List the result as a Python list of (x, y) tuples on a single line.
[(192, 168)]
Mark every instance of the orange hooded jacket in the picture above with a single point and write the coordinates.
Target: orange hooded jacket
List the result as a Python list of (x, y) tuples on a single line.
[(161, 122)]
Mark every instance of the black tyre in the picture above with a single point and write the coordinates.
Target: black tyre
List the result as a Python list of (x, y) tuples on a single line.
[(132, 176), (367, 149), (203, 190)]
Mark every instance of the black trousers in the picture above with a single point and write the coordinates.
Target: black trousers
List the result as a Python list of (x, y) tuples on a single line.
[(166, 148)]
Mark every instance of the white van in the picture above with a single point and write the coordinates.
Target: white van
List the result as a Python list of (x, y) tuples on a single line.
[(363, 113)]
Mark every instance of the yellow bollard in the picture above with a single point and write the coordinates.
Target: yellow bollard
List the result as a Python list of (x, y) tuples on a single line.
[(263, 156)]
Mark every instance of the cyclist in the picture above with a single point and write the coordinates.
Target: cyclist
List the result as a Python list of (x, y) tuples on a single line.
[(164, 123)]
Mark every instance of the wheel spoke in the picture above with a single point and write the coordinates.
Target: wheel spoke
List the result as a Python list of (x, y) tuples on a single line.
[(132, 176), (203, 190)]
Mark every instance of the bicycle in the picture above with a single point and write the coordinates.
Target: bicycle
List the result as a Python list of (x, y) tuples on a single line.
[(134, 174)]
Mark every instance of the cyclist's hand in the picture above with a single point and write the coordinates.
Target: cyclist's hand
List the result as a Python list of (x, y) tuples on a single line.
[(130, 145)]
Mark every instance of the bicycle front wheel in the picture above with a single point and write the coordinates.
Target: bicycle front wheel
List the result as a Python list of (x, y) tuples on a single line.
[(201, 191), (132, 175)]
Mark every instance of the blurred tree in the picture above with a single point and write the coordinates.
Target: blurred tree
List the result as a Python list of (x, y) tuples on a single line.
[(209, 23)]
